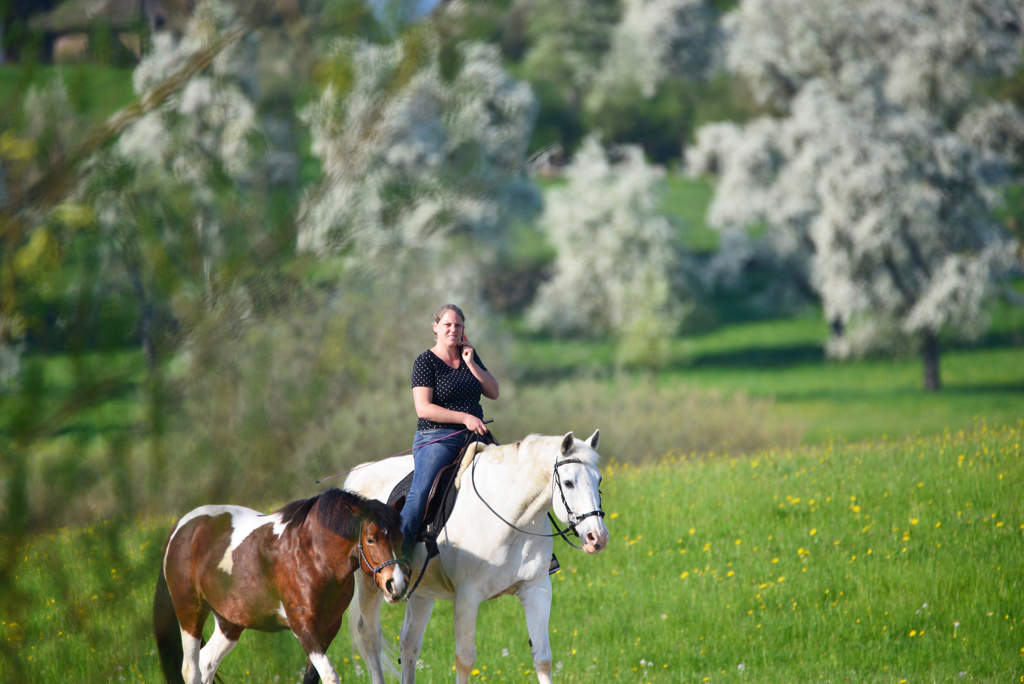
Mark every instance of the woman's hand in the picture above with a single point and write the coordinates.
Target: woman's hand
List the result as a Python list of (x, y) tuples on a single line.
[(475, 424), (467, 352), (488, 385)]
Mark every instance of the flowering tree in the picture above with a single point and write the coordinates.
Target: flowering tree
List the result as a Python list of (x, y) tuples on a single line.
[(167, 190), (568, 40), (877, 177), (412, 158), (656, 39), (615, 255)]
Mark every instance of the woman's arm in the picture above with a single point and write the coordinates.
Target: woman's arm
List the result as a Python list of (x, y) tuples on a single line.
[(423, 397)]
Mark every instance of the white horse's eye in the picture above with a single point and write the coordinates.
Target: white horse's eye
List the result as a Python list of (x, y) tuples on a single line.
[(569, 484)]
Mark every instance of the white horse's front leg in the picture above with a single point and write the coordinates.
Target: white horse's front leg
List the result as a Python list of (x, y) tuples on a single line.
[(536, 600), (417, 615), (467, 605), (365, 626)]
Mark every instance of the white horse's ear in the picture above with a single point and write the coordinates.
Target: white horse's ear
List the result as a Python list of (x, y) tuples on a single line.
[(594, 439), (568, 442)]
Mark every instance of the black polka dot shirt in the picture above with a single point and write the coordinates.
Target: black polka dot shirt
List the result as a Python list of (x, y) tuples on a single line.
[(456, 389)]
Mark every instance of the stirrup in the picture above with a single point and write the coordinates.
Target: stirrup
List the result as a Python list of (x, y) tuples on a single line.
[(554, 567)]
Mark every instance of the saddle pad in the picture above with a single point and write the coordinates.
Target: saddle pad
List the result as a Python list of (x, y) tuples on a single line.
[(467, 458)]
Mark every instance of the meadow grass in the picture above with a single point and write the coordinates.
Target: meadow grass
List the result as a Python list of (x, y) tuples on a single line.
[(686, 201), (783, 360), (886, 561)]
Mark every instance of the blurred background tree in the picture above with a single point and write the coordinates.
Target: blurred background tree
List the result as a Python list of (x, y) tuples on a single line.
[(298, 180), (617, 256), (874, 176)]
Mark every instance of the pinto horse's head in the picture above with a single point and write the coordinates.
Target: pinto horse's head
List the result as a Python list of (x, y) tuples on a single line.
[(379, 547), (576, 497)]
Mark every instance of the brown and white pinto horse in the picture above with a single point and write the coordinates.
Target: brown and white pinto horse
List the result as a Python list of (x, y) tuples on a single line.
[(292, 569)]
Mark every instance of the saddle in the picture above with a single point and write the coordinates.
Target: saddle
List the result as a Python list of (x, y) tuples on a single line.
[(443, 493)]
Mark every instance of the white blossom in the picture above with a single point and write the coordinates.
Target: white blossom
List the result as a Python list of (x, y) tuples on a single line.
[(996, 130), (614, 254), (861, 181), (409, 164), (212, 119), (920, 53), (655, 39)]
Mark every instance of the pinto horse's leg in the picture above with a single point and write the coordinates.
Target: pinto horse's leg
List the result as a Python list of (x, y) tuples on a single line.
[(224, 638), (417, 615), (191, 644), (324, 667), (467, 605), (304, 629), (365, 627), (327, 636), (191, 619), (536, 600)]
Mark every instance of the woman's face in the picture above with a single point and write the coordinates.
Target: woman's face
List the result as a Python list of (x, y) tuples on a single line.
[(449, 329)]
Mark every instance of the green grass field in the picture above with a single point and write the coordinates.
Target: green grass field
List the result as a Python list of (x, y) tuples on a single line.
[(686, 202), (891, 561), (784, 360)]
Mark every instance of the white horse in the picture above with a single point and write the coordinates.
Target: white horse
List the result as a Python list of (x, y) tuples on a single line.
[(482, 556)]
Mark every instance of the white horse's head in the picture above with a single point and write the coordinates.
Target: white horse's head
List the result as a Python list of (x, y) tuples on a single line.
[(576, 486)]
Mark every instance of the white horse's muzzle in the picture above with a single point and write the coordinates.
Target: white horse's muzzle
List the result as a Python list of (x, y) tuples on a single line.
[(593, 536)]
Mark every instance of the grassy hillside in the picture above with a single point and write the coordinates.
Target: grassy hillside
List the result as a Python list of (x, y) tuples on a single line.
[(891, 561), (783, 360)]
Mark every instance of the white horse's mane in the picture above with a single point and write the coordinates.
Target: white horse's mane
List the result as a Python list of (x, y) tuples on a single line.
[(580, 451), (528, 444)]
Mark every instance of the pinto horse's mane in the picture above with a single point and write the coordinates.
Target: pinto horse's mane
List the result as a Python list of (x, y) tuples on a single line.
[(342, 512)]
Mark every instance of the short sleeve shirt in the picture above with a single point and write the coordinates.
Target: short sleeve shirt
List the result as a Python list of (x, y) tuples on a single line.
[(456, 389)]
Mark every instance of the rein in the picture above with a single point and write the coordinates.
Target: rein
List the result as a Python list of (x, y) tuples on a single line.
[(574, 519)]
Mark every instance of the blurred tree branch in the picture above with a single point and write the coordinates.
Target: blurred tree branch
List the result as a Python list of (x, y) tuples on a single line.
[(27, 198)]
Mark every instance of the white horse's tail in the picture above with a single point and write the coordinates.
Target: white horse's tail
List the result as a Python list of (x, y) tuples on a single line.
[(389, 658), (388, 653)]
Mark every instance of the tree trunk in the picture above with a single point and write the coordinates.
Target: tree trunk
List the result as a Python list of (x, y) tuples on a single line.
[(838, 328), (930, 357)]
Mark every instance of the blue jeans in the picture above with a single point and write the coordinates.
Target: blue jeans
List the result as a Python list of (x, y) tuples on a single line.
[(428, 461)]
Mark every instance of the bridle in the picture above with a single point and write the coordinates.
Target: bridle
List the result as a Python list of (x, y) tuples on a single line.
[(574, 519), (364, 559)]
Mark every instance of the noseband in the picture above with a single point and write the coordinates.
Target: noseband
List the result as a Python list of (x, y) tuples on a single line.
[(364, 559)]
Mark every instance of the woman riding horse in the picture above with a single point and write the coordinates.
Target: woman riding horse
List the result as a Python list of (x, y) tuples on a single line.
[(447, 381)]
